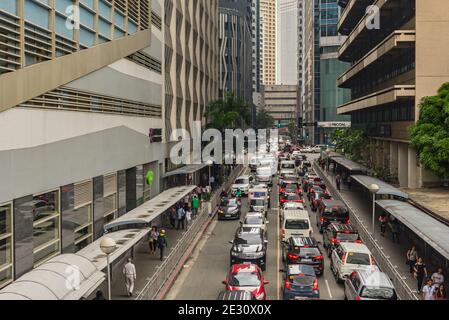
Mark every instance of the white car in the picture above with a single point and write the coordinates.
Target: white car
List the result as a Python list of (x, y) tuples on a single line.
[(293, 206), (242, 183), (255, 220), (349, 257)]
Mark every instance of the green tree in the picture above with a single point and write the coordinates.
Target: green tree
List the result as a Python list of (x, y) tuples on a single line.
[(350, 141), (264, 120), (293, 131), (430, 135), (229, 113)]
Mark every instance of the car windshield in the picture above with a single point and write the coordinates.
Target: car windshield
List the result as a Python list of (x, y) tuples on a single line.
[(254, 220), (347, 236), (248, 239), (245, 279), (242, 181), (358, 258), (291, 187), (378, 293), (293, 197), (257, 202), (304, 280), (298, 224), (225, 203), (336, 212), (288, 166)]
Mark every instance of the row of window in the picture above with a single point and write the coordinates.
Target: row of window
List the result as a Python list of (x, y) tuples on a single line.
[(393, 113), (48, 219)]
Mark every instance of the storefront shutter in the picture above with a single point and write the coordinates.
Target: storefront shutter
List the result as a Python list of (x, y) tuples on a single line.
[(110, 184), (83, 193)]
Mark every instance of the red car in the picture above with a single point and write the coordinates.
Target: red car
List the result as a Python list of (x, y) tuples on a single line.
[(291, 197), (247, 277)]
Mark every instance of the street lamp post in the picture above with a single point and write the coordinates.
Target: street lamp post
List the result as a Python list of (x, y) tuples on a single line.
[(374, 189), (107, 246)]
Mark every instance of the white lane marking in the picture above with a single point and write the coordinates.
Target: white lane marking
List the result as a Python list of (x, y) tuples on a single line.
[(328, 289)]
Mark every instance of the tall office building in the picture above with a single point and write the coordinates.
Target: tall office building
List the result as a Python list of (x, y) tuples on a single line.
[(280, 101), (300, 62), (287, 45), (78, 98), (393, 66), (236, 49), (321, 70), (268, 47), (191, 62), (256, 33)]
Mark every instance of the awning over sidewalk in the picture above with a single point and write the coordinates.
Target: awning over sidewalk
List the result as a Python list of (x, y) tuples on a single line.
[(349, 164), (432, 231), (125, 240), (384, 188), (56, 280), (150, 210), (185, 170)]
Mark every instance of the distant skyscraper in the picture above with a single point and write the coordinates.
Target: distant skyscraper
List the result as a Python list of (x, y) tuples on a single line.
[(235, 39), (287, 48), (256, 49), (268, 21), (322, 68)]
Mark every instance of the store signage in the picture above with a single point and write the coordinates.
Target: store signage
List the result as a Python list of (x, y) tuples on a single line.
[(334, 124)]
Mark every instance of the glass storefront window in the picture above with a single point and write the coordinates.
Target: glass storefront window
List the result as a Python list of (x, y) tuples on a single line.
[(83, 216), (83, 233), (110, 206), (46, 227), (5, 244)]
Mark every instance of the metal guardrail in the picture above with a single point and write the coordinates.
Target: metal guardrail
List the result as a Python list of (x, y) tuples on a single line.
[(403, 290), (164, 271)]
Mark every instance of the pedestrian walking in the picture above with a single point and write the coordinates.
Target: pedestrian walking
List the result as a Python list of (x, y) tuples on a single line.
[(440, 293), (162, 243), (420, 272), (338, 182), (152, 241), (349, 182), (438, 277), (395, 231), (129, 271), (198, 192), (181, 217), (383, 219), (172, 217), (412, 257), (188, 218), (195, 206), (212, 181), (429, 290)]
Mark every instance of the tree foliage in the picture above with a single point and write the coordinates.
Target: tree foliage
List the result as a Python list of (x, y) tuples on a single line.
[(264, 120), (230, 113), (430, 135), (293, 131), (350, 141)]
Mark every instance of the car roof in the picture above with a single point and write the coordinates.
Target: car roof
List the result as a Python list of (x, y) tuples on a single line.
[(244, 268), (304, 241), (294, 205), (249, 230), (294, 269), (355, 247), (295, 214), (375, 278), (332, 202)]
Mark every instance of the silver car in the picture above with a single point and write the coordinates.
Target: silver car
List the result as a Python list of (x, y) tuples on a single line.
[(369, 285)]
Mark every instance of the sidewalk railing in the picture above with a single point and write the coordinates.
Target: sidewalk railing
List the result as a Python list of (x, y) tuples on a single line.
[(403, 290), (165, 270)]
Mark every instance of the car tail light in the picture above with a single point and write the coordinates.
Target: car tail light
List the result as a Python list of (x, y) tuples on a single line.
[(335, 241), (292, 256), (319, 258), (287, 285), (315, 285), (357, 298), (322, 220), (359, 241), (348, 222)]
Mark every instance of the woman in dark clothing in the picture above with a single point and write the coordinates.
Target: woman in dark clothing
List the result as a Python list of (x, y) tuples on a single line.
[(420, 273)]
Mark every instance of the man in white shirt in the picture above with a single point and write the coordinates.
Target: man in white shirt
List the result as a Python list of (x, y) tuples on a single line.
[(129, 271), (429, 290), (438, 277)]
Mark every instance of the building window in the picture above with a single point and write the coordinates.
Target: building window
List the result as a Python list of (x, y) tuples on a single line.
[(46, 216), (5, 244), (110, 197), (11, 7), (83, 217), (36, 13)]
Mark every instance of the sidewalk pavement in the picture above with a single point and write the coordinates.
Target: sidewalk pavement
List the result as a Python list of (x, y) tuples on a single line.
[(396, 252), (146, 265)]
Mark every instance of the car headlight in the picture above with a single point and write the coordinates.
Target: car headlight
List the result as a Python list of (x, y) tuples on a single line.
[(259, 254), (234, 253), (220, 211)]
